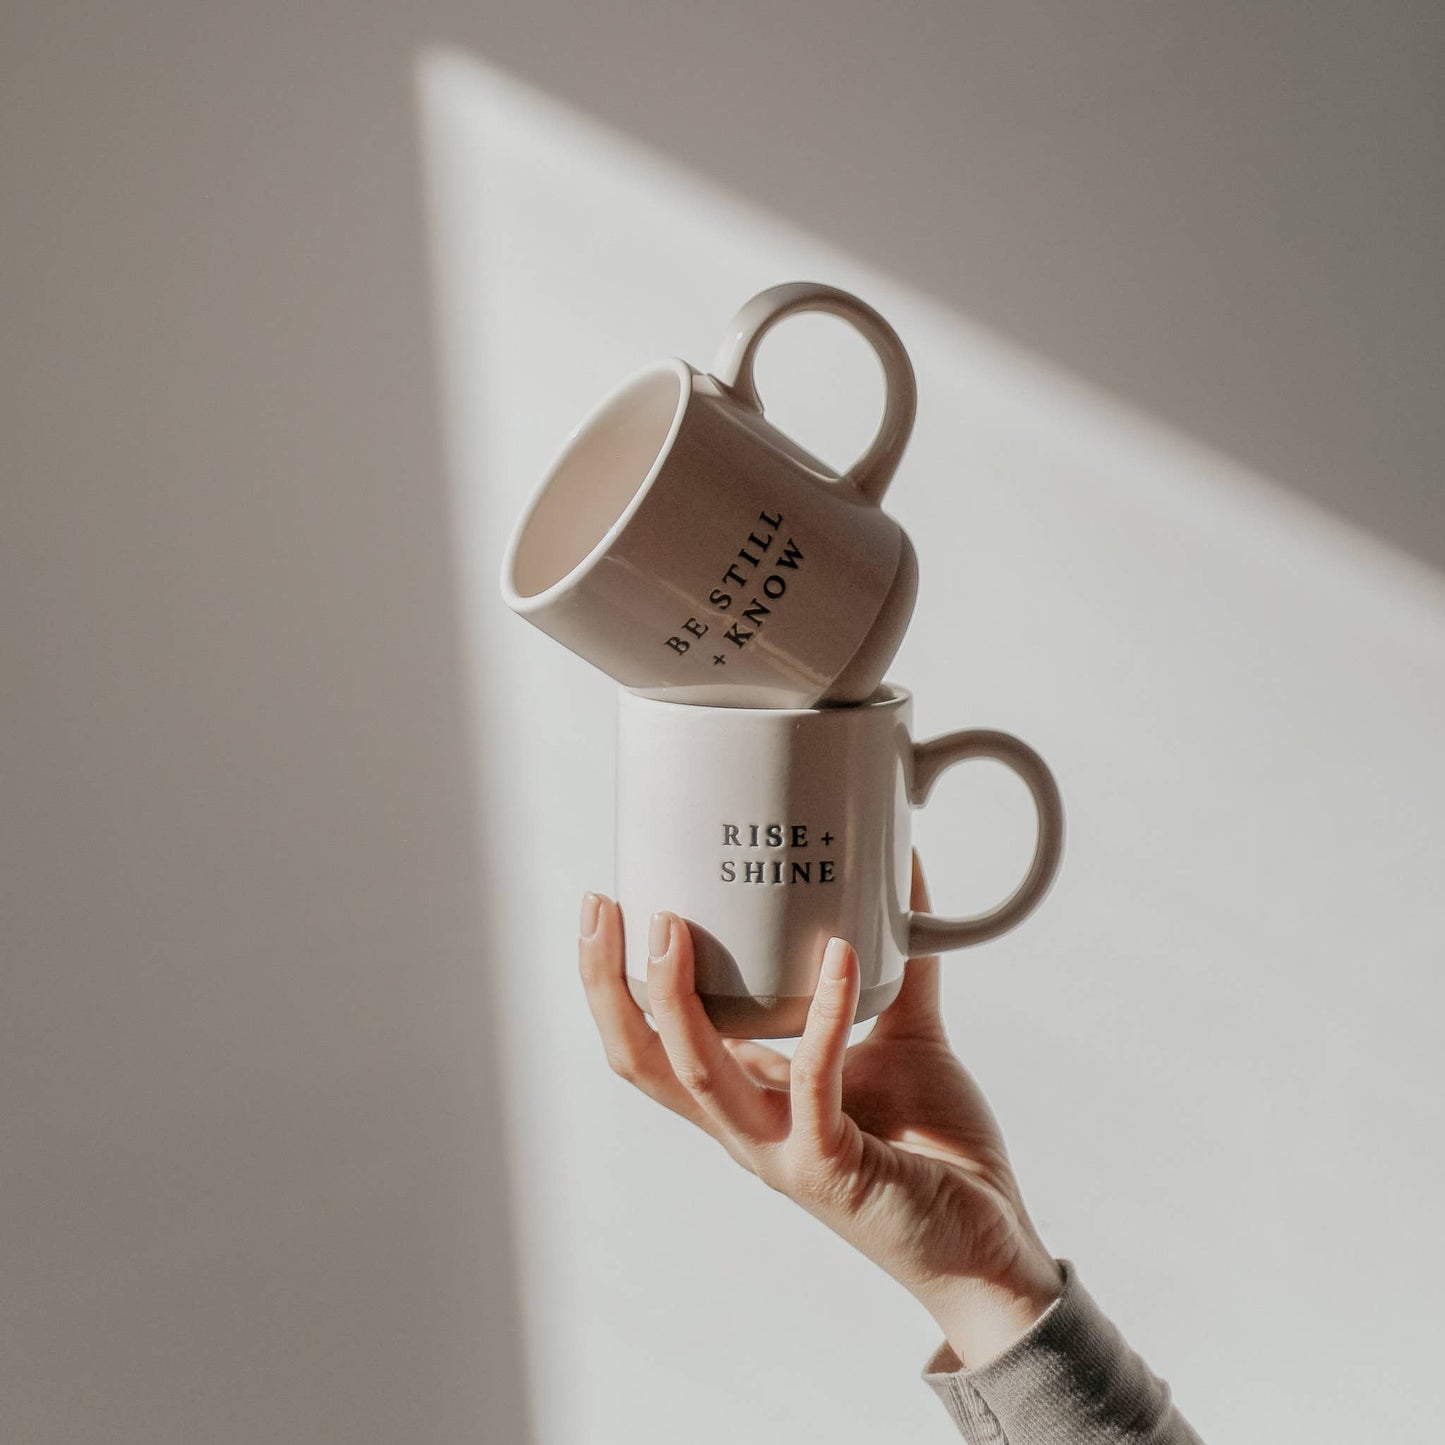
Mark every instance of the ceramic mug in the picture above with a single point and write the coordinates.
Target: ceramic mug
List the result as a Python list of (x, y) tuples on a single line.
[(690, 549), (772, 830)]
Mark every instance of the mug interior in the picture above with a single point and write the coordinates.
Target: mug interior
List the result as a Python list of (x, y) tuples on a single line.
[(591, 486)]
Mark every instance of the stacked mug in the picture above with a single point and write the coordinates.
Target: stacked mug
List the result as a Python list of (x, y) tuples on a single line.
[(749, 601)]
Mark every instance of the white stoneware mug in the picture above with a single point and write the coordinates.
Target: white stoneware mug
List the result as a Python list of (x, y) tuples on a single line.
[(772, 830), (690, 549)]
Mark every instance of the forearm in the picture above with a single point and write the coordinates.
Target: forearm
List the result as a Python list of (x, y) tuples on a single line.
[(1070, 1377), (981, 1318)]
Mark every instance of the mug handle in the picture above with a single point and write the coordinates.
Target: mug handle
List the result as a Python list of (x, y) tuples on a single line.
[(928, 933), (733, 370)]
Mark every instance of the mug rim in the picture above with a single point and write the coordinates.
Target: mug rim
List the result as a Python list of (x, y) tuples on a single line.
[(536, 601), (886, 696)]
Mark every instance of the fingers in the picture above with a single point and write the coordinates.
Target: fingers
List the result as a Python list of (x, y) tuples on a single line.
[(914, 1013), (819, 1126), (709, 1073), (782, 1119), (633, 1050)]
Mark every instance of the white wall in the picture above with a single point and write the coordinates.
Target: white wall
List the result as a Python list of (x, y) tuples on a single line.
[(252, 1186), (1213, 1049), (255, 1182)]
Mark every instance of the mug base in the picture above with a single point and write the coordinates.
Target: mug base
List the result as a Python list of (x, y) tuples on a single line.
[(781, 1016)]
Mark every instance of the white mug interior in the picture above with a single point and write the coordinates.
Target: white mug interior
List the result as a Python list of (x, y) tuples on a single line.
[(597, 482)]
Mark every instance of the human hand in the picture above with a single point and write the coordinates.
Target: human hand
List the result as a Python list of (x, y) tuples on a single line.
[(890, 1143)]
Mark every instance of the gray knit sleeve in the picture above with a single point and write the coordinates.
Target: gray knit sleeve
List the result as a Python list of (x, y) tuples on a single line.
[(1071, 1380)]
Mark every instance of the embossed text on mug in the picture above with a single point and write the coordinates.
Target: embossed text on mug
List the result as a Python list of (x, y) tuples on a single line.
[(794, 837), (755, 554)]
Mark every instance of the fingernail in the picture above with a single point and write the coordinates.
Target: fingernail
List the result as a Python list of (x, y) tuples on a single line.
[(835, 958), (659, 935), (591, 911)]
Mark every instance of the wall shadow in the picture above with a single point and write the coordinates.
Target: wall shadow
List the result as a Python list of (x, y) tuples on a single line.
[(1229, 220)]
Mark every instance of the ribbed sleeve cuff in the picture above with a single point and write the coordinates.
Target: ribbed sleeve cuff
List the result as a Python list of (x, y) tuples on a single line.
[(1071, 1378)]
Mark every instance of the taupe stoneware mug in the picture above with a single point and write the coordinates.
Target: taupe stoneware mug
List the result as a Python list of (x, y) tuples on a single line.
[(771, 830), (687, 547)]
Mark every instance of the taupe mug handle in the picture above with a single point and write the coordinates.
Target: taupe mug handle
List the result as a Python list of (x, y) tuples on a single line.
[(928, 933), (733, 370)]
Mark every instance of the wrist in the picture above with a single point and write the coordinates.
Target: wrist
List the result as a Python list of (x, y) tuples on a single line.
[(981, 1318)]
